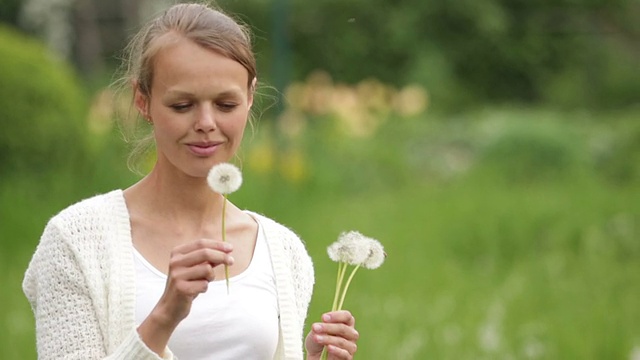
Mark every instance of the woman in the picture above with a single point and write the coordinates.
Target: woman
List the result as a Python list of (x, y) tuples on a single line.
[(139, 273)]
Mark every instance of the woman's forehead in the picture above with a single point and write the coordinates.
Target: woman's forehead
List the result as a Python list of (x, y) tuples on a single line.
[(183, 65)]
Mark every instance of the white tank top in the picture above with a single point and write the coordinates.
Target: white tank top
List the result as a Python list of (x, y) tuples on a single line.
[(241, 325)]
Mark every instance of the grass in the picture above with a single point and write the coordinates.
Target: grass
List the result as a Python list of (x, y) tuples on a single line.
[(480, 266), (472, 275)]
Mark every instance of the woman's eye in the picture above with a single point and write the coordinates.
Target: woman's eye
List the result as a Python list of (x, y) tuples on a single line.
[(181, 107), (227, 106)]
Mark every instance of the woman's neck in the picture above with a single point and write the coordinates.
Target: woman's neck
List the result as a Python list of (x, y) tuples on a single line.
[(184, 200)]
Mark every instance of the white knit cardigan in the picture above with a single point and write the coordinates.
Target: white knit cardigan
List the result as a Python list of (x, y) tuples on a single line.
[(81, 284)]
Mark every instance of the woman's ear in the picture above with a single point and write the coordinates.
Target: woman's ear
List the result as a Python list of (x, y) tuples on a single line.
[(252, 90), (141, 101)]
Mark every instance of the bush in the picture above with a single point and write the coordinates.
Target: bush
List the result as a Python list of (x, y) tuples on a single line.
[(42, 106)]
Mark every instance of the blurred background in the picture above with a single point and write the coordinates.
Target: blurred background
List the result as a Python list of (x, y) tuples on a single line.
[(492, 146)]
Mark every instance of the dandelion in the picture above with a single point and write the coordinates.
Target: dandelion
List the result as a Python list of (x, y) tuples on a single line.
[(376, 255), (352, 248), (224, 179)]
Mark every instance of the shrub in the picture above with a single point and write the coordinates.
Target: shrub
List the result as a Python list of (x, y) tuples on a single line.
[(42, 106)]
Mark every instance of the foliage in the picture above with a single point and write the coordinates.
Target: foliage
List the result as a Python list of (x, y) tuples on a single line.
[(569, 53), (617, 150), (513, 143), (42, 106), (532, 151), (9, 10), (52, 20)]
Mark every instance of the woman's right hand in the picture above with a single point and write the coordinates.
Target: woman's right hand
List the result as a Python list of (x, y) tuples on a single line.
[(191, 268)]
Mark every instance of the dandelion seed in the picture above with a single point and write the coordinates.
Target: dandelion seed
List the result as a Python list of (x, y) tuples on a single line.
[(224, 178)]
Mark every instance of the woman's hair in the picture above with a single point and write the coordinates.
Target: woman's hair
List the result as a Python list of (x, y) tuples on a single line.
[(204, 25)]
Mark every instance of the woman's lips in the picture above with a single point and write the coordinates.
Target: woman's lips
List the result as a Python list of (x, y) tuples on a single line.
[(203, 149)]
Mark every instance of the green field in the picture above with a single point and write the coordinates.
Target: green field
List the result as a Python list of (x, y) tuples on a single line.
[(511, 233)]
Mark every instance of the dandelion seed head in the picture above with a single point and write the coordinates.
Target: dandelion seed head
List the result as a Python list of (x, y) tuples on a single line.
[(351, 248), (224, 178), (375, 256), (334, 251)]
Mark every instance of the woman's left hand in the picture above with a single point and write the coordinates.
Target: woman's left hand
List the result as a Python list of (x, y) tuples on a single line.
[(337, 332)]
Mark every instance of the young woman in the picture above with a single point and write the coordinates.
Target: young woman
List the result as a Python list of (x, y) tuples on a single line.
[(139, 273)]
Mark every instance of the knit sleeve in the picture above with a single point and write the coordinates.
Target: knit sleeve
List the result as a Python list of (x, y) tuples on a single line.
[(303, 276), (66, 314)]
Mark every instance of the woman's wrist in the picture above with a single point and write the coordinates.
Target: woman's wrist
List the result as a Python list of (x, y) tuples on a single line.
[(156, 330), (162, 318)]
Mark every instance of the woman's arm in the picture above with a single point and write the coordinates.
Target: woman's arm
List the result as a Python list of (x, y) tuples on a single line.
[(191, 268), (73, 323), (68, 323)]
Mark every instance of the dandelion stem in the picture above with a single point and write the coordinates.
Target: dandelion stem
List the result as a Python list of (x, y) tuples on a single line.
[(323, 356), (342, 269), (346, 287), (224, 238)]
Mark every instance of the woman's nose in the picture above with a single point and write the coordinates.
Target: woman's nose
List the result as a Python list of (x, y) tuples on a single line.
[(205, 120)]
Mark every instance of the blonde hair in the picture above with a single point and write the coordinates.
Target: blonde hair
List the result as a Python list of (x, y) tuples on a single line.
[(203, 24)]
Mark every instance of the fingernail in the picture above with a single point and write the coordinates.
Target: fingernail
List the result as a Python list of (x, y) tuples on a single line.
[(317, 327), (231, 260), (227, 246), (319, 338), (326, 317)]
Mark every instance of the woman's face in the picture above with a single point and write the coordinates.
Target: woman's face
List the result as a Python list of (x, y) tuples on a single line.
[(199, 105)]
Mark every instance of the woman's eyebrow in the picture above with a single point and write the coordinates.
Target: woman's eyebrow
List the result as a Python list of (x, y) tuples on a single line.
[(226, 93), (230, 93)]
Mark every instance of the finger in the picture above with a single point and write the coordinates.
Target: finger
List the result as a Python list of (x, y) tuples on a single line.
[(205, 255), (340, 316), (339, 353), (311, 344), (339, 348), (202, 244), (192, 288), (340, 330), (202, 271)]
